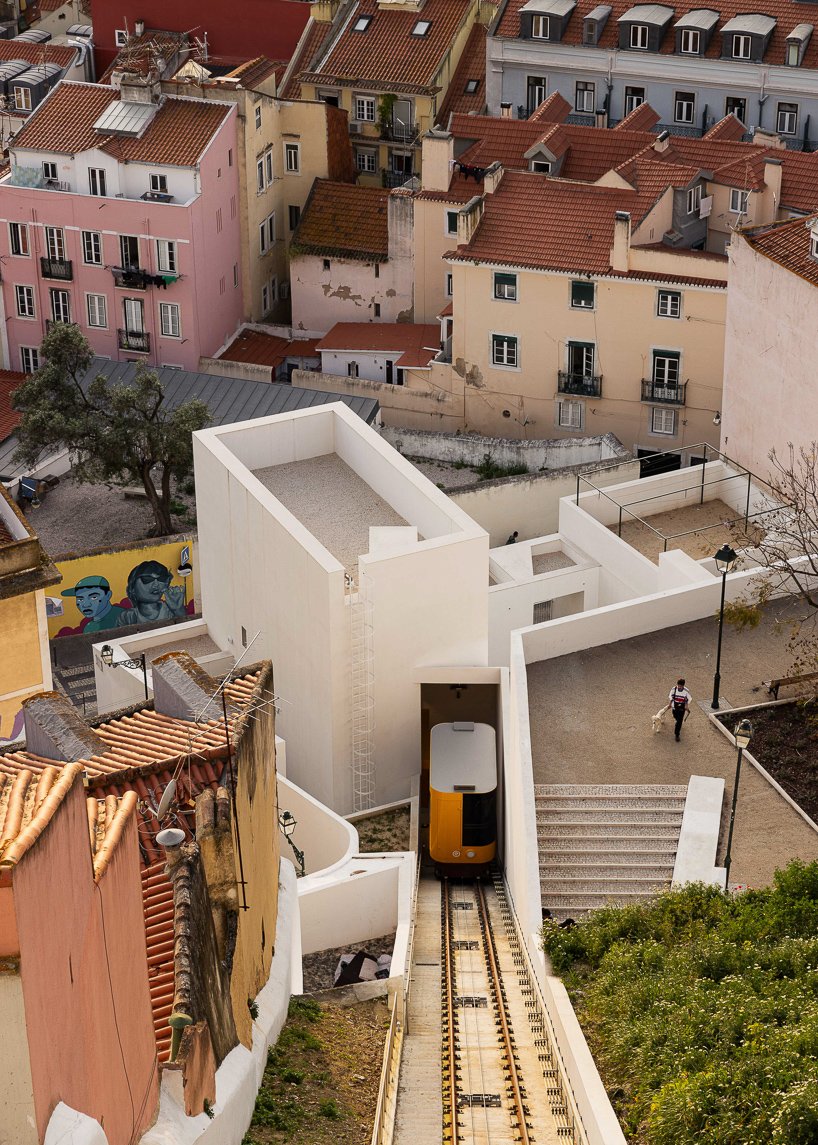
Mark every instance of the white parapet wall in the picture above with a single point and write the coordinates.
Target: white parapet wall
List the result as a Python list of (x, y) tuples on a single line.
[(699, 834)]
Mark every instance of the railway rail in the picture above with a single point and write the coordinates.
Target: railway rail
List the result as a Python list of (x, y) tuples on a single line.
[(499, 1081)]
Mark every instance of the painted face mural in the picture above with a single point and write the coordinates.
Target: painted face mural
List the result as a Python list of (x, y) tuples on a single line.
[(152, 595), (93, 598)]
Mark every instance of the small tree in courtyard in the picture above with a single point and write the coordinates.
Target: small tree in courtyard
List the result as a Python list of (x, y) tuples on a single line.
[(120, 434)]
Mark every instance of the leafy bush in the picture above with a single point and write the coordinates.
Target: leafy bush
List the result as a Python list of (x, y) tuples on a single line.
[(489, 470), (702, 1010)]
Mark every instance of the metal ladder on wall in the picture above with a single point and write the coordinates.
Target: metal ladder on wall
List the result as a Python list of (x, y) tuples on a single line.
[(360, 605)]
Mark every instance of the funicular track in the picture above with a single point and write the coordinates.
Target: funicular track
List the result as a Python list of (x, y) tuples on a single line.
[(499, 1080)]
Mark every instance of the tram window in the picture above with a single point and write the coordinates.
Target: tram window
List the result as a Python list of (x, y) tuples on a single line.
[(479, 819)]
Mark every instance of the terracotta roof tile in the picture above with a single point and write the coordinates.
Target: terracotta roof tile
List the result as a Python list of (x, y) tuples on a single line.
[(419, 342), (253, 72), (788, 244), (387, 52), (9, 417), (730, 127), (344, 220), (107, 819), (28, 801), (786, 13), (176, 136), (554, 109), (312, 40), (157, 906), (139, 53), (466, 92), (260, 349), (642, 118)]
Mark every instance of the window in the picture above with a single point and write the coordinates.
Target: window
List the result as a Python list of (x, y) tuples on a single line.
[(684, 105), (169, 319), (55, 242), (92, 248), (60, 305), (669, 304), (694, 199), (166, 256), (366, 160), (96, 181), (134, 311), (585, 99), (471, 87), (25, 301), (229, 156), (235, 275), (377, 270), (265, 298), (536, 87), (787, 118), (218, 220), (97, 310), (634, 96), (377, 309), (735, 106), (268, 166), (361, 24), (22, 102), (571, 415), (326, 264), (50, 172), (738, 201), (294, 213), (121, 37), (292, 158), (421, 28), (267, 234), (451, 222), (352, 369), (401, 163), (29, 359), (449, 285), (232, 206), (18, 239), (159, 184), (690, 41), (582, 295), (666, 368), (258, 117), (663, 420), (741, 47), (505, 286), (589, 31), (542, 611), (504, 350), (793, 58), (365, 108), (580, 358), (540, 27), (639, 36), (129, 252)]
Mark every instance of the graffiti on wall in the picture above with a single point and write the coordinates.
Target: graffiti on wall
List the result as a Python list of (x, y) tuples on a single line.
[(114, 590)]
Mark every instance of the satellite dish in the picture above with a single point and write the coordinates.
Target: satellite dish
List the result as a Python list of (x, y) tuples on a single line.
[(166, 800), (170, 837)]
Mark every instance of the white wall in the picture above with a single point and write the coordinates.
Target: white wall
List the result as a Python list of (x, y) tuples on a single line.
[(511, 606), (17, 1090), (624, 572), (326, 839)]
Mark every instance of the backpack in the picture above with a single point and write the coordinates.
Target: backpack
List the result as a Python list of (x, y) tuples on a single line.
[(679, 705)]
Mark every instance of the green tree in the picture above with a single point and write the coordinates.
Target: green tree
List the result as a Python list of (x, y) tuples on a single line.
[(119, 434)]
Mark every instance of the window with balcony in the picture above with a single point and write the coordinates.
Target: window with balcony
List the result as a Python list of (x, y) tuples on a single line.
[(663, 420), (580, 375), (22, 99), (169, 320), (166, 256), (134, 311), (639, 37), (669, 304), (55, 242), (694, 199), (18, 240), (738, 201), (583, 294), (129, 252), (292, 158), (536, 90), (96, 181), (505, 286), (29, 359), (684, 107), (787, 118), (734, 105), (666, 368), (742, 46), (364, 108), (571, 415), (97, 307), (504, 350), (690, 42), (24, 296), (60, 305), (634, 97), (585, 96), (540, 27), (92, 248)]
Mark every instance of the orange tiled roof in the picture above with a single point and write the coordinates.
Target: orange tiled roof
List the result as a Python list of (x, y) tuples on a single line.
[(388, 52), (729, 127), (470, 71), (28, 801), (312, 40), (107, 819), (9, 417), (642, 118), (254, 71), (786, 13), (788, 244), (260, 349), (157, 906), (344, 220), (176, 136), (555, 108), (418, 343)]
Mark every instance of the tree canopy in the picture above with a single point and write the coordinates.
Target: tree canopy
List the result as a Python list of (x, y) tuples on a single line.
[(119, 434)]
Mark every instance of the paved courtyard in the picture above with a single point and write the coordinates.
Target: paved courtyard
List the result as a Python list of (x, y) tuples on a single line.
[(591, 723)]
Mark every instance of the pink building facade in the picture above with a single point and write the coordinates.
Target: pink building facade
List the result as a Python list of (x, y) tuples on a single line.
[(132, 236)]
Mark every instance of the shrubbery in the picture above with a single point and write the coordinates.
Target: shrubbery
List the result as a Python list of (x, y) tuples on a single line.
[(702, 1011)]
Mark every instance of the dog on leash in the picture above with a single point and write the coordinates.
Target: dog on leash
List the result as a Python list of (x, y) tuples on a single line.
[(656, 720)]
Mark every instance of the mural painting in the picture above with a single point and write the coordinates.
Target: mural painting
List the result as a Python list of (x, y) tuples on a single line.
[(115, 590)]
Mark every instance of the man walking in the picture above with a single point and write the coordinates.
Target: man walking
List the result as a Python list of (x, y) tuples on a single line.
[(679, 700)]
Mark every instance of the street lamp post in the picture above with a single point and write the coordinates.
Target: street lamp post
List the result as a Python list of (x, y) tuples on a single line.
[(743, 734), (725, 558), (106, 653), (287, 823)]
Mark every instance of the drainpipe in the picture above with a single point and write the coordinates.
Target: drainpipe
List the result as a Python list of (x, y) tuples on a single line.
[(177, 1023)]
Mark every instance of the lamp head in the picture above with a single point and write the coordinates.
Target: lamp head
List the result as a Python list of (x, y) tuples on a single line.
[(106, 654), (743, 733), (287, 823), (184, 570), (725, 558)]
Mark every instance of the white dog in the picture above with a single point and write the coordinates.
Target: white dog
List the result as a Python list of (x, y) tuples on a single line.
[(659, 717)]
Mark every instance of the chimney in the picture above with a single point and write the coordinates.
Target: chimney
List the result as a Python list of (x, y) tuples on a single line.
[(505, 110), (468, 219), (182, 688), (323, 11), (601, 118), (136, 88), (621, 241), (662, 142), (436, 160), (400, 212), (773, 172), (139, 27), (493, 178), (56, 730)]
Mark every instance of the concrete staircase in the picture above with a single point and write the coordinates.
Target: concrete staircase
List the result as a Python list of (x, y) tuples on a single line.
[(605, 844)]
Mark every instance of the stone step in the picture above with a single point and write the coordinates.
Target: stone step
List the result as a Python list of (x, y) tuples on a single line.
[(565, 884), (585, 849), (613, 816), (576, 903), (678, 791), (608, 831), (604, 873), (649, 803)]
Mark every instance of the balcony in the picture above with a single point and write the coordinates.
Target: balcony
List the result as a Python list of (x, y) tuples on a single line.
[(663, 394), (59, 268), (137, 341), (582, 385), (406, 133), (131, 277), (394, 178)]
